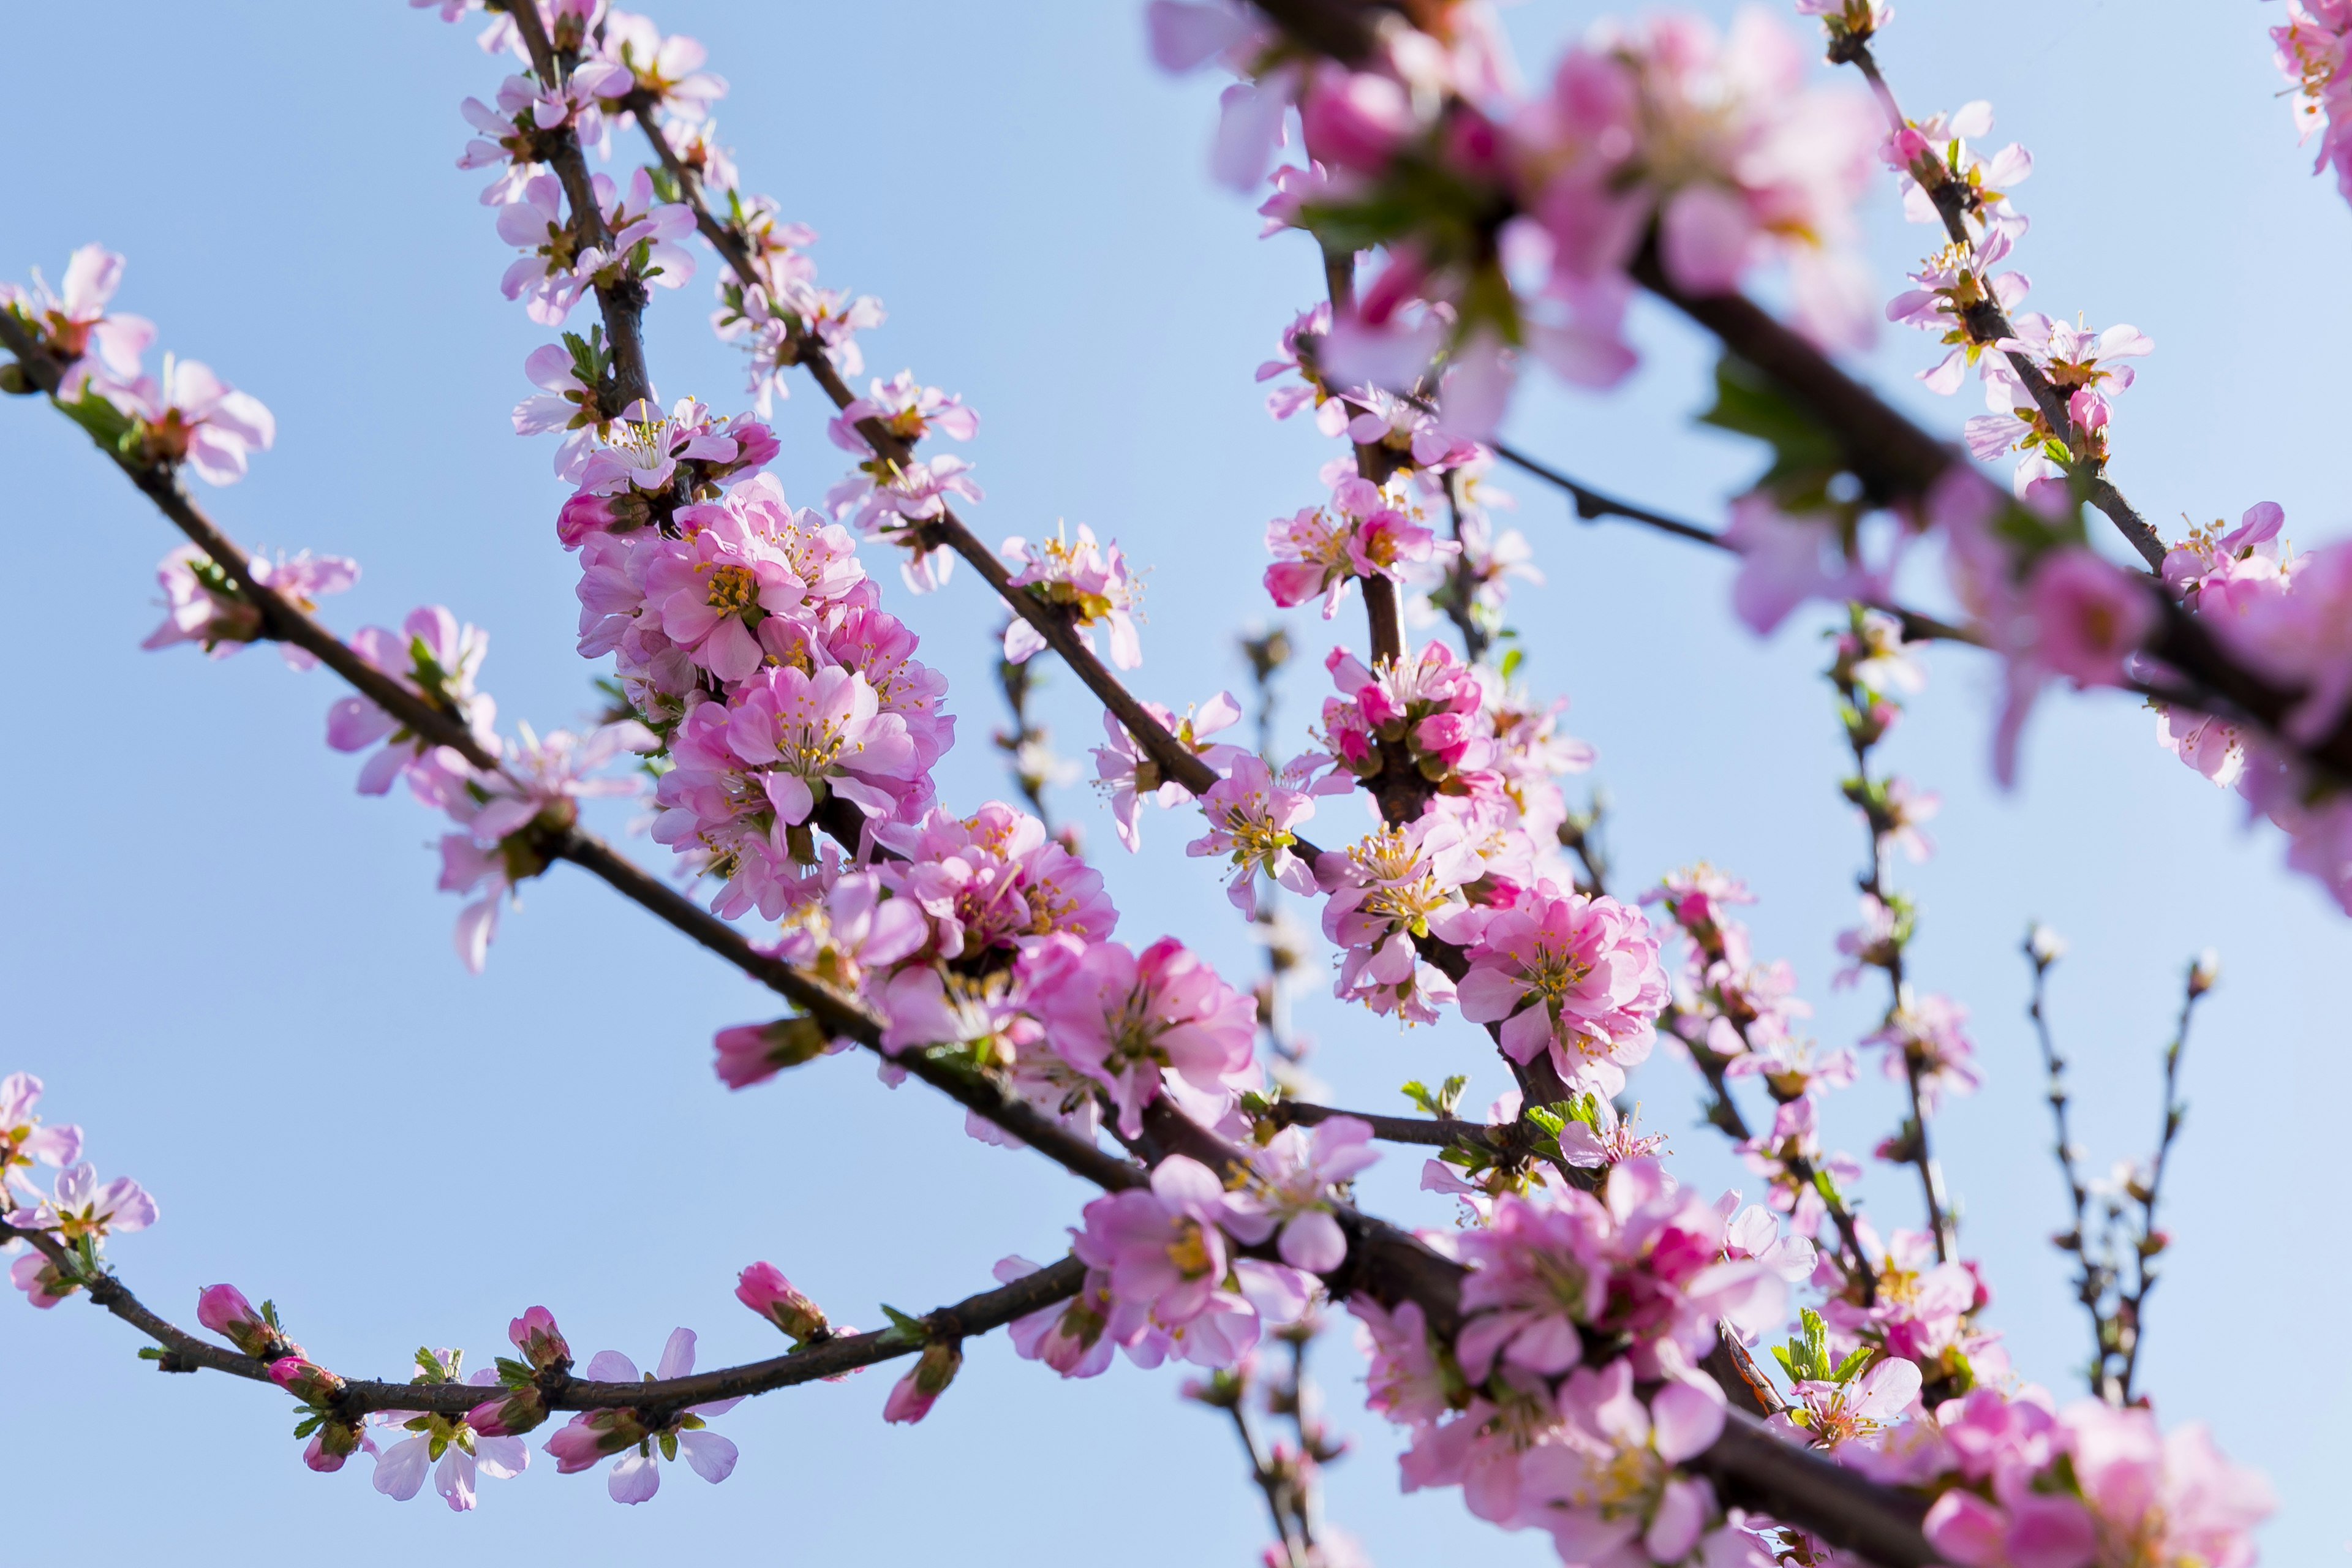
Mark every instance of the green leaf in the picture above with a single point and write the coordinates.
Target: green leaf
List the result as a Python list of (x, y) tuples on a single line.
[(1805, 455), (1854, 1364), (903, 1329), (108, 425)]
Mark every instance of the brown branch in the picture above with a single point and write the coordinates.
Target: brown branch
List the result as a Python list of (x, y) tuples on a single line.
[(1427, 1131), (830, 1358), (623, 303), (1592, 505)]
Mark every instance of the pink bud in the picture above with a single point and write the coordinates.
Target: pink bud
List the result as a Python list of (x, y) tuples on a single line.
[(306, 1381), (763, 1288), (542, 1343)]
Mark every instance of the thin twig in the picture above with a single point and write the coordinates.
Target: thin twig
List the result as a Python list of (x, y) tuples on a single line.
[(2092, 1279), (2152, 1241)]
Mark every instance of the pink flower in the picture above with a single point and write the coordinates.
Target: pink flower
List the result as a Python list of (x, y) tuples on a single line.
[(1288, 1189), (1250, 821), (668, 67), (77, 1208), (1926, 1034), (714, 587), (1068, 1336), (1396, 885), (43, 1283), (22, 1138), (1609, 1490), (437, 659), (1124, 1019), (1090, 582), (203, 605), (1575, 977), (1537, 1272), (592, 1436), (73, 323), (191, 416), (825, 731), (994, 880), (912, 1396), (1161, 1245), (1131, 776), (907, 410)]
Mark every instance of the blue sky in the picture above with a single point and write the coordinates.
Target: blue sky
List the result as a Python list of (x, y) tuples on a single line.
[(236, 973)]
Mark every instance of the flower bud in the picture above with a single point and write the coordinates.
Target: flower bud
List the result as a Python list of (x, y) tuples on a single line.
[(2044, 946), (306, 1381), (753, 1053), (763, 1288), (2205, 973), (224, 1309), (330, 1444), (916, 1393), (513, 1414), (589, 1436), (542, 1343)]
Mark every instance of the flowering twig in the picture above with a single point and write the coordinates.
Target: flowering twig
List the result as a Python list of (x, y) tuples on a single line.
[(1865, 723), (1988, 323), (184, 1351)]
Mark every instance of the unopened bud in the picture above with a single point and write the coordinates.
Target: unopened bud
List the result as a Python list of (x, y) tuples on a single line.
[(542, 1343), (330, 1444), (306, 1380), (763, 1288), (753, 1053), (2205, 973), (916, 1393), (2044, 946), (513, 1414), (225, 1310)]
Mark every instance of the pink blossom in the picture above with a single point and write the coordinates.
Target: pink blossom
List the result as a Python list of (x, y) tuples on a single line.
[(189, 415), (1068, 1336), (825, 731), (908, 411), (1925, 1036), (22, 1138), (994, 880), (224, 1309), (1161, 1245), (1574, 976), (1250, 821), (592, 1436), (1396, 885), (203, 605), (77, 1208), (74, 322), (1088, 582), (1609, 1491), (667, 68), (437, 659), (1289, 1190), (1124, 1019), (1129, 774), (763, 1288)]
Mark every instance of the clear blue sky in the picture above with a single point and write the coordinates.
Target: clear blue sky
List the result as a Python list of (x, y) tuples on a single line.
[(236, 973)]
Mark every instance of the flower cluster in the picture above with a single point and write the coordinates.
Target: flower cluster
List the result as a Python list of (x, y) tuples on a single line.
[(183, 414), (78, 1213), (1523, 1412), (2310, 55)]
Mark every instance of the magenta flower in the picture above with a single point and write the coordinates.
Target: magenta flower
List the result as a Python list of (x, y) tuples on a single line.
[(1126, 1019), (1290, 1186), (1574, 976), (912, 1396), (22, 1138)]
